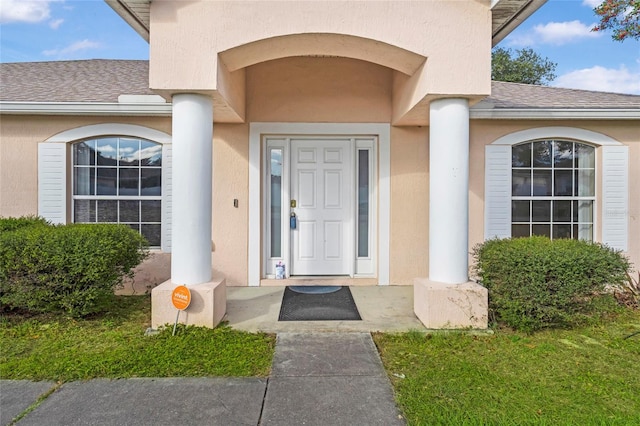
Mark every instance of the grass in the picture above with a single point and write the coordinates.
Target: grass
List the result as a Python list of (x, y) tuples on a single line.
[(585, 376), (113, 345)]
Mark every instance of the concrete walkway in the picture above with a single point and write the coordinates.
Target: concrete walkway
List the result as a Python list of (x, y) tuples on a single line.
[(316, 379)]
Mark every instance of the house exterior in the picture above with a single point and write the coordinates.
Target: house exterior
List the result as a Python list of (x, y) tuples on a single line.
[(360, 142)]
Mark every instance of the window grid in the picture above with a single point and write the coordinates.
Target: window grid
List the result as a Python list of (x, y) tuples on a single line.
[(569, 215), (139, 205)]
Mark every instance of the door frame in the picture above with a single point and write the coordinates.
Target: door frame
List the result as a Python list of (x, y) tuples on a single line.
[(257, 152)]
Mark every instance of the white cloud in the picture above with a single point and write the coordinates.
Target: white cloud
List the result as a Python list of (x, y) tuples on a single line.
[(30, 11), (556, 33), (521, 40), (73, 48), (56, 23), (602, 79), (564, 32), (591, 3)]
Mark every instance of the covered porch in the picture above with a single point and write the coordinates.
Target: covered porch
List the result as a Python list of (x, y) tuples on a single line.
[(382, 308)]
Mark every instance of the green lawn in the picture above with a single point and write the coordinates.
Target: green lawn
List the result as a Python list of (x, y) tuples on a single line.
[(113, 345), (586, 376)]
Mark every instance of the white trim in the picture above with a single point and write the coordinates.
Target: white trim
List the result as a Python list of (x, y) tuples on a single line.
[(554, 113), (581, 136), (144, 107), (52, 182), (615, 197), (167, 197), (497, 191), (268, 267), (98, 131), (573, 133), (110, 129), (366, 266), (141, 99), (86, 108), (256, 130)]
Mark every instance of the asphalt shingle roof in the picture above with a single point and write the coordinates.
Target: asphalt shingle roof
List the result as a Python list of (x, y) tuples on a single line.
[(96, 80), (103, 80), (517, 95)]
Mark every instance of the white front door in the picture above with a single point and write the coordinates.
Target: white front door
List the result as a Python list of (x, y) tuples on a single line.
[(322, 190)]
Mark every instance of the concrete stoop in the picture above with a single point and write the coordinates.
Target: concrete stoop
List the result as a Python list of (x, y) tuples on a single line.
[(207, 308), (450, 306)]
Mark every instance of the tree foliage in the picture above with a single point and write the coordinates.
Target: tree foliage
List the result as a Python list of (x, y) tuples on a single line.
[(521, 66), (620, 16)]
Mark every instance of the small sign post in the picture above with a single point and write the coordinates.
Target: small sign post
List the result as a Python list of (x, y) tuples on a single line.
[(181, 298)]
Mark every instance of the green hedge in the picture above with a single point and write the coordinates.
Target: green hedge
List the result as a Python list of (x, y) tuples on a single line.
[(536, 283), (73, 268), (13, 223)]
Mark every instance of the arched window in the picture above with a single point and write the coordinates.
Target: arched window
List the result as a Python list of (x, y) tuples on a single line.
[(119, 180), (553, 189)]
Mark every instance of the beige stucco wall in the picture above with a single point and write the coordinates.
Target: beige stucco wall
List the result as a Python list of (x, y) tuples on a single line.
[(19, 140), (409, 164), (409, 250), (184, 42), (335, 90), (231, 181), (484, 132)]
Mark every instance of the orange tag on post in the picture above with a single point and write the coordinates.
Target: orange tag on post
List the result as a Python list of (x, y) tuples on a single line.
[(181, 297)]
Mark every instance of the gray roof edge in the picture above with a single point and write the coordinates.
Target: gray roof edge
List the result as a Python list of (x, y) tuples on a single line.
[(165, 110), (86, 108), (554, 113)]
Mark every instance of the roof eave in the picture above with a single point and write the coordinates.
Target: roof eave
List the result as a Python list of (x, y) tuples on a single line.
[(126, 11), (164, 110), (518, 12), (555, 113), (86, 108)]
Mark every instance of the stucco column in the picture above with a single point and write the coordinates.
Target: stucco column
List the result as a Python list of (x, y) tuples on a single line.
[(192, 176), (449, 191)]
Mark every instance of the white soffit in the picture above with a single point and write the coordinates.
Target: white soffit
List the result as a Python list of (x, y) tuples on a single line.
[(135, 13), (507, 15)]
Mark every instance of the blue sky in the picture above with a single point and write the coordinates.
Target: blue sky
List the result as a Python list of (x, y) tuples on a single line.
[(52, 30)]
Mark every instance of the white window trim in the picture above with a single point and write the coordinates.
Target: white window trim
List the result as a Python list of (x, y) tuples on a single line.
[(577, 135), (256, 130), (65, 138), (573, 133), (110, 129)]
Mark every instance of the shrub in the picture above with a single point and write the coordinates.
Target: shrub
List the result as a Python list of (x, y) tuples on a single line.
[(13, 223), (73, 268), (535, 283)]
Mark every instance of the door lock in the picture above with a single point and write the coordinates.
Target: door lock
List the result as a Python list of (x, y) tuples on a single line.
[(293, 204)]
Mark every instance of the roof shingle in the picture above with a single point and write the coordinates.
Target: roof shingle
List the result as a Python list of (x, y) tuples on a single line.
[(103, 80), (96, 80)]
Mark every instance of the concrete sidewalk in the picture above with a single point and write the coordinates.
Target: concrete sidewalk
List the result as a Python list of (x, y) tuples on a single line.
[(316, 379)]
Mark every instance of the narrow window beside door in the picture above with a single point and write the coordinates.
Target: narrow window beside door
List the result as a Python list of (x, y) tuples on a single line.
[(275, 181), (363, 203)]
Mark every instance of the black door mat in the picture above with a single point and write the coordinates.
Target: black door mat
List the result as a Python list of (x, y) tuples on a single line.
[(328, 305)]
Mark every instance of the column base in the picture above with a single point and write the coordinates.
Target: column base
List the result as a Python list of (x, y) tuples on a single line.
[(208, 304), (450, 306)]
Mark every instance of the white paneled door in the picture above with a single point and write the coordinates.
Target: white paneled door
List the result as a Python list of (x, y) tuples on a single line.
[(322, 191)]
